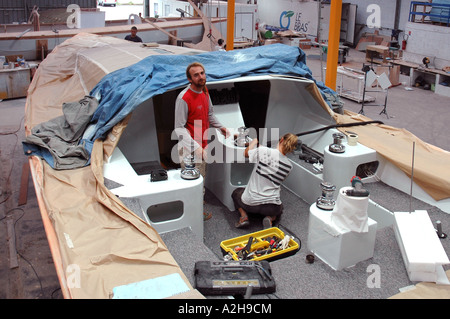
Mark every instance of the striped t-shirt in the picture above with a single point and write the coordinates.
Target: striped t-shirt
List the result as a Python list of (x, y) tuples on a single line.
[(270, 171)]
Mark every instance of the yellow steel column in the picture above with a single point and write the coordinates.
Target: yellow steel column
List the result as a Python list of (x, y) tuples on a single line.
[(333, 43), (230, 25)]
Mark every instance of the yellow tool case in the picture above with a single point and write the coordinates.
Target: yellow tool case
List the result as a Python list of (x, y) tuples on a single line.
[(268, 244)]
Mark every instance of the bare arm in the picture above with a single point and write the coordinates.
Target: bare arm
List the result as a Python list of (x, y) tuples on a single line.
[(251, 146)]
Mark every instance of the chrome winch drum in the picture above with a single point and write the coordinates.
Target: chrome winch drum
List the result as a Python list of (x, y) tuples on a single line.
[(326, 201), (189, 171), (243, 139), (337, 146)]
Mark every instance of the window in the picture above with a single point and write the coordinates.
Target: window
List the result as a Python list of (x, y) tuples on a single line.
[(166, 10)]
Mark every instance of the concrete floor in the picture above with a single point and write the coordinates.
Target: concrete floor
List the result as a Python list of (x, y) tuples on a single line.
[(423, 113), (35, 276)]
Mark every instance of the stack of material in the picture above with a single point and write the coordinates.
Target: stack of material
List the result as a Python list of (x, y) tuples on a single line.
[(296, 39), (372, 39)]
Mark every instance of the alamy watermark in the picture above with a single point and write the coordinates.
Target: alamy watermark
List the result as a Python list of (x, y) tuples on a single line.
[(74, 17), (215, 150), (374, 19), (73, 276), (374, 278)]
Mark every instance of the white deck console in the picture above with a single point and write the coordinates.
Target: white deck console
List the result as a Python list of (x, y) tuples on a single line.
[(337, 247), (421, 249)]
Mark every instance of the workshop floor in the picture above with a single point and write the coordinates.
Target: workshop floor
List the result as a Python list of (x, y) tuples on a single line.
[(423, 113)]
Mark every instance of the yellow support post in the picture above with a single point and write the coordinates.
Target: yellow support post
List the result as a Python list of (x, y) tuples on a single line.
[(333, 43), (230, 25)]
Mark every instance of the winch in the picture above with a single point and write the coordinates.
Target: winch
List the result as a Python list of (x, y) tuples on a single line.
[(189, 171), (242, 139), (326, 201), (337, 146)]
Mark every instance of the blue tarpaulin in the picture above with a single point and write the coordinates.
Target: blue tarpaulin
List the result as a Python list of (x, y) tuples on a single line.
[(120, 92)]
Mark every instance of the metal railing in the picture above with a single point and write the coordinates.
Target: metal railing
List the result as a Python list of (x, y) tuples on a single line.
[(439, 12)]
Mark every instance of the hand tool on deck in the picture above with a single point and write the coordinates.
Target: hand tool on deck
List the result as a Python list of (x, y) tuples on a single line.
[(357, 190)]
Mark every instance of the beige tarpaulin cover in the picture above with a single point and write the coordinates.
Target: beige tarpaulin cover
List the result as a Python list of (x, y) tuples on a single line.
[(426, 290), (89, 227), (97, 243)]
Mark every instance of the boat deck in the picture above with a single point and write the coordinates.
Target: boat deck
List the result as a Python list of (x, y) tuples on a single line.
[(294, 277), (424, 113)]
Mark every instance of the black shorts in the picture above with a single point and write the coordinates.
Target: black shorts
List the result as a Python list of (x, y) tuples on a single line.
[(262, 209)]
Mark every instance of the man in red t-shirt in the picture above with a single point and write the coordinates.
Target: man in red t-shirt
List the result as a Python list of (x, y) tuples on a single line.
[(194, 114)]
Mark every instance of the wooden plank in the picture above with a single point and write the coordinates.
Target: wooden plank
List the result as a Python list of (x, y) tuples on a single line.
[(23, 193), (162, 30), (41, 49), (13, 261), (172, 40), (405, 63), (432, 70), (210, 36), (377, 48)]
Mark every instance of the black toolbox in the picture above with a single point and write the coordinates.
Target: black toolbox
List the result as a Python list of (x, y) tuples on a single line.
[(233, 277)]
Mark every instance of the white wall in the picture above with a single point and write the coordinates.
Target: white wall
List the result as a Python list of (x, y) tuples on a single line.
[(91, 19), (270, 11), (387, 15), (428, 41), (245, 18), (304, 20), (168, 8)]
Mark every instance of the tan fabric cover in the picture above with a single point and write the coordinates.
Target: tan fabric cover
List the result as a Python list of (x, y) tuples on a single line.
[(426, 290), (92, 230)]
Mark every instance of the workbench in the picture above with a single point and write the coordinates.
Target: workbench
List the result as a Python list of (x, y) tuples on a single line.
[(377, 54), (434, 76), (406, 68)]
